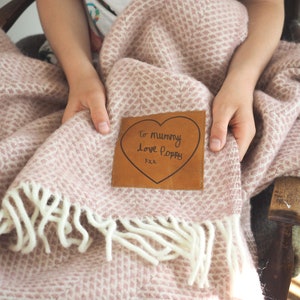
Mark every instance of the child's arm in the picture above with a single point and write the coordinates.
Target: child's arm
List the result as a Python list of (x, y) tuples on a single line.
[(66, 28), (232, 106)]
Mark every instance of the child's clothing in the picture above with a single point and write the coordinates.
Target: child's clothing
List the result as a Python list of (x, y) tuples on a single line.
[(101, 15)]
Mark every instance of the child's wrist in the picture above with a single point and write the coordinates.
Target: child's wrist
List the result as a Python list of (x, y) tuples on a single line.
[(244, 79), (76, 75)]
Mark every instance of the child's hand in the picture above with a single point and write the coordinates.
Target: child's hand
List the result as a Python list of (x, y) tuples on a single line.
[(232, 108), (87, 92)]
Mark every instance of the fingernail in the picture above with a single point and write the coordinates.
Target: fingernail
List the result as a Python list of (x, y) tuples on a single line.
[(103, 128), (215, 144)]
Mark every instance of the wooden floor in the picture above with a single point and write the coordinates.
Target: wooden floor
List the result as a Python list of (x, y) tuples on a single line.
[(295, 289)]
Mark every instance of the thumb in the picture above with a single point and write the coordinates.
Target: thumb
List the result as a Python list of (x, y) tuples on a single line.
[(99, 116), (218, 132), (217, 136)]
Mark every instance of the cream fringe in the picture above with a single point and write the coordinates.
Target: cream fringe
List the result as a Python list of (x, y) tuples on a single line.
[(173, 237)]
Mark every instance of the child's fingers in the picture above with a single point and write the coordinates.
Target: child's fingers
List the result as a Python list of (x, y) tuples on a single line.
[(244, 133), (241, 125)]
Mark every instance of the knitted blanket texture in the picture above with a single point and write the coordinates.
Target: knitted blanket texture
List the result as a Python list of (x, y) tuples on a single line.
[(66, 233)]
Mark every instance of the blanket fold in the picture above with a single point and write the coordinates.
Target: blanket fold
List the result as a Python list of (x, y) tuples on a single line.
[(55, 181)]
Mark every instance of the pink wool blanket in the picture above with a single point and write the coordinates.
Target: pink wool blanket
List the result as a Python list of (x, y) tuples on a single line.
[(66, 233)]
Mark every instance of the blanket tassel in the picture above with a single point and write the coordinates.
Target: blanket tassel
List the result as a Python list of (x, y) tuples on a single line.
[(155, 239)]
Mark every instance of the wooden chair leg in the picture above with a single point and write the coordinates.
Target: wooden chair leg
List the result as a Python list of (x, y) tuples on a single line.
[(285, 210), (276, 276)]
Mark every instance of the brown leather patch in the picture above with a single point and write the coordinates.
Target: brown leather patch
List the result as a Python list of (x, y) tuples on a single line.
[(163, 151)]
